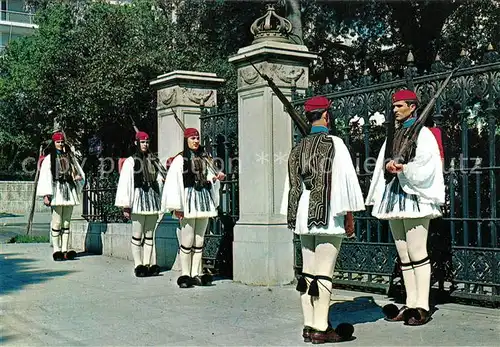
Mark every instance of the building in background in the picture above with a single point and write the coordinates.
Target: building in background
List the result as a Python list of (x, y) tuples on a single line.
[(16, 20)]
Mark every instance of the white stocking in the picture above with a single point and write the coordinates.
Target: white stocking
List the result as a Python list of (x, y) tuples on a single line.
[(308, 245), (200, 228), (326, 252), (149, 225), (56, 226), (136, 243), (417, 231), (399, 234), (66, 219), (65, 240), (187, 241)]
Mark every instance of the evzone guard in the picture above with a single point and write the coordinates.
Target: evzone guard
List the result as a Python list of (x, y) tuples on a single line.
[(139, 195), (323, 191), (191, 193), (408, 192), (60, 184)]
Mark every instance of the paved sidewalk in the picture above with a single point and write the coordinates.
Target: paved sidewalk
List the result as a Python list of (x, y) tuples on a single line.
[(96, 301), (15, 224)]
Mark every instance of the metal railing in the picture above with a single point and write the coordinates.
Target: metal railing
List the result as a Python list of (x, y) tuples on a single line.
[(464, 245), (17, 17)]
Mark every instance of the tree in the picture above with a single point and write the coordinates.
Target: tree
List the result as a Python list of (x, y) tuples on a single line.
[(90, 62)]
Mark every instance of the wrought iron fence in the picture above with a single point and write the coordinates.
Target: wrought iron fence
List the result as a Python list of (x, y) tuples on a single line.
[(219, 131), (464, 244), (99, 198)]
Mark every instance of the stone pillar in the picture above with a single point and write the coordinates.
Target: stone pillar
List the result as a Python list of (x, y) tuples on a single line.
[(183, 92), (263, 245)]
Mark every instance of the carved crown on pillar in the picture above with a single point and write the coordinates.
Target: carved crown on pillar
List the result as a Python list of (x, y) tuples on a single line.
[(271, 27)]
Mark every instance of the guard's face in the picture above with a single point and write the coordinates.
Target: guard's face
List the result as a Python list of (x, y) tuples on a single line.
[(59, 145), (144, 145), (193, 142), (402, 110)]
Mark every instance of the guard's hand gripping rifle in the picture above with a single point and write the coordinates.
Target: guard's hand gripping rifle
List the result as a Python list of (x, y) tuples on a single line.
[(154, 158), (303, 126), (411, 135)]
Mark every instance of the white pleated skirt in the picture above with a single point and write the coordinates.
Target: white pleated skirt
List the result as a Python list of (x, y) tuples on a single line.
[(335, 224), (65, 194), (146, 201), (397, 204), (199, 203)]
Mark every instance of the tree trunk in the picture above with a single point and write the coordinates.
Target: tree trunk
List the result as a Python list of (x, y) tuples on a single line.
[(293, 14)]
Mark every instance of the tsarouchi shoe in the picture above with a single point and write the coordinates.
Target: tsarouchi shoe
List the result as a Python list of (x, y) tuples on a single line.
[(153, 270), (343, 332), (393, 314), (69, 255), (203, 280), (141, 271), (58, 256), (184, 282), (306, 333), (417, 316)]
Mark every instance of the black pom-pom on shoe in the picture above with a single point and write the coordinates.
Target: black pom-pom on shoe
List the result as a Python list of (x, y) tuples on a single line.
[(184, 282), (58, 256), (411, 313), (345, 330), (417, 316), (390, 311), (154, 270), (313, 288), (203, 280), (301, 285), (206, 279), (141, 271), (70, 255)]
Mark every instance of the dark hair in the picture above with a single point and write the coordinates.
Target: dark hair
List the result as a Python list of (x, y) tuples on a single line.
[(411, 102), (429, 122), (52, 150), (313, 116)]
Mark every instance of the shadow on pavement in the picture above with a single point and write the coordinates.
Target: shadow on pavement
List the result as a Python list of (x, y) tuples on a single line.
[(5, 215), (16, 273), (362, 309)]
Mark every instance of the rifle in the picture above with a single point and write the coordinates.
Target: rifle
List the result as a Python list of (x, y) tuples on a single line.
[(303, 126), (412, 134), (181, 125), (155, 160), (29, 227)]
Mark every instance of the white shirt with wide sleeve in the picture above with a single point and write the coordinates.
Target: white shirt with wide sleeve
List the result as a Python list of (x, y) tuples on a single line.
[(422, 176)]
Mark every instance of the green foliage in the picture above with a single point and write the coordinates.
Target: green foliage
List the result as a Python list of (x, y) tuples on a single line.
[(90, 62), (29, 239)]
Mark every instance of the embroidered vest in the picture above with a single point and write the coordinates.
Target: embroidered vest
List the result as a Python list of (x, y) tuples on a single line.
[(311, 163)]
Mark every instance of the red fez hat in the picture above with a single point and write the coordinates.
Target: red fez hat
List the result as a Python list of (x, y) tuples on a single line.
[(141, 135), (404, 95), (191, 132), (317, 103), (59, 136)]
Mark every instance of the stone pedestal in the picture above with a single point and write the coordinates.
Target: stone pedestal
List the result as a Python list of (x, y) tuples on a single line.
[(263, 248), (182, 92)]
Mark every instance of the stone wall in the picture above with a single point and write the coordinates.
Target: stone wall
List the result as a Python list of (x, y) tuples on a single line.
[(15, 197), (113, 240)]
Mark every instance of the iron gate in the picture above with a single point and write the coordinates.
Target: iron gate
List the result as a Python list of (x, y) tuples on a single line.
[(464, 244), (219, 131)]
